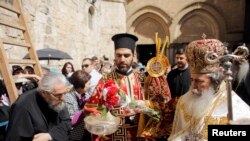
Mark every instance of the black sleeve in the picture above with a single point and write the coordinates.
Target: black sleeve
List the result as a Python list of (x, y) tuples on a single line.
[(61, 131), (21, 128)]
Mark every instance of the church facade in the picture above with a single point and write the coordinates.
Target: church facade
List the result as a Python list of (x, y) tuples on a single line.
[(83, 28)]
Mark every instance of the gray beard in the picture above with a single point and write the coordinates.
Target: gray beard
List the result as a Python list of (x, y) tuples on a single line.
[(58, 107), (242, 73), (201, 101)]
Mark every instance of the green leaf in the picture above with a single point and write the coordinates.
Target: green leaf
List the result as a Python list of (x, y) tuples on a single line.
[(112, 113), (99, 107), (104, 112), (132, 104)]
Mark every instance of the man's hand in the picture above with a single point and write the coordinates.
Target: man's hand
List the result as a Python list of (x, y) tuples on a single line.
[(42, 137), (92, 110)]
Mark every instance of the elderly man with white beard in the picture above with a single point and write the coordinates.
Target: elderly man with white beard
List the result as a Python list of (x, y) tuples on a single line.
[(41, 114), (206, 101)]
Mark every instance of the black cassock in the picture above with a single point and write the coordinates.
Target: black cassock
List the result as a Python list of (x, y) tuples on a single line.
[(179, 81), (30, 115)]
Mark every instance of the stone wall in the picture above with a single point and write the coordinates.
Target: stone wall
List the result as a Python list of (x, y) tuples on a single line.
[(186, 20), (83, 29), (77, 27)]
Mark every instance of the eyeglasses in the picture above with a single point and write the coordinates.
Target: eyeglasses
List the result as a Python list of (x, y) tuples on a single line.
[(57, 95), (85, 66)]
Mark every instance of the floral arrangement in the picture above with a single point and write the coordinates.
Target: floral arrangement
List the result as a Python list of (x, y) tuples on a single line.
[(106, 123), (112, 96)]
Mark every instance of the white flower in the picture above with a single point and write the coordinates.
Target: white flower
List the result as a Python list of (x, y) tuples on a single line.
[(104, 94)]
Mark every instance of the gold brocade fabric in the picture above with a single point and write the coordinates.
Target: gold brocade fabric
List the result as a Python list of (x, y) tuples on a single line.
[(208, 120), (196, 51), (212, 121), (155, 129), (198, 126), (157, 92)]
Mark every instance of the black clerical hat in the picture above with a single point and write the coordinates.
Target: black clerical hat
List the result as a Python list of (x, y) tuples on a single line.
[(124, 40)]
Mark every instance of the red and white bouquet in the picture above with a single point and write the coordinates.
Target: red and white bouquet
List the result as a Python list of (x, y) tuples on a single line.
[(110, 94), (112, 97), (106, 123)]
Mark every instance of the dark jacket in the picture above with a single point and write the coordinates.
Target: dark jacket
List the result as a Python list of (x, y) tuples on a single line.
[(179, 81), (31, 115)]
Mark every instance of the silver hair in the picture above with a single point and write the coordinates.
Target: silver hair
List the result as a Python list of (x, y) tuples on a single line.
[(216, 78), (242, 72), (50, 79)]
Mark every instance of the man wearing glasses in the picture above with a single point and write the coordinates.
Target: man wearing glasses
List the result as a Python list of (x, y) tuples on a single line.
[(89, 67), (41, 114)]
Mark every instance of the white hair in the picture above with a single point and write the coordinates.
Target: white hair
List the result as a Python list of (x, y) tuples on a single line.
[(58, 107), (50, 79), (242, 73), (216, 78)]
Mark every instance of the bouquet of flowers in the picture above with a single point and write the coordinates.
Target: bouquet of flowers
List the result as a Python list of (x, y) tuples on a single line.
[(112, 97), (106, 123)]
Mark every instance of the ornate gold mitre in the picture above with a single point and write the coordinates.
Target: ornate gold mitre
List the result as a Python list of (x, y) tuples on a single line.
[(196, 52)]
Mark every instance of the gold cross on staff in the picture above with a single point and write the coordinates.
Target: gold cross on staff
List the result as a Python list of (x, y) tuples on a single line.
[(204, 36)]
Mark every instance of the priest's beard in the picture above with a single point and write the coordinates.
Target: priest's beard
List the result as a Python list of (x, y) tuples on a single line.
[(59, 107), (199, 104), (242, 73), (123, 67)]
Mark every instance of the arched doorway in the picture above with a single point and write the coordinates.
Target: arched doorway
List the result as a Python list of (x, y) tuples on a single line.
[(145, 23)]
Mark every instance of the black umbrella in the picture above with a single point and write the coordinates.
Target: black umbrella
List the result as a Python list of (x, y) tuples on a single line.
[(50, 54)]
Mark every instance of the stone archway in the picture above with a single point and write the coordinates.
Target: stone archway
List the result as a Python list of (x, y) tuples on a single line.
[(204, 23), (145, 23), (206, 18)]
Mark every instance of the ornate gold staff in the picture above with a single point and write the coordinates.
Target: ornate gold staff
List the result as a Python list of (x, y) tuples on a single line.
[(225, 60), (158, 65)]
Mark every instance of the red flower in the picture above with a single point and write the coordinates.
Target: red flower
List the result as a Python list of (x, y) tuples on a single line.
[(112, 101), (109, 83), (112, 91), (110, 94), (136, 91)]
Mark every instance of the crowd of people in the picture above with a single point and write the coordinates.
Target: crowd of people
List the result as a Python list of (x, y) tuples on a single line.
[(190, 97)]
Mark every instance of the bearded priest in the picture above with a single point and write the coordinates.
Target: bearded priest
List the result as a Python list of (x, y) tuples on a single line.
[(206, 101)]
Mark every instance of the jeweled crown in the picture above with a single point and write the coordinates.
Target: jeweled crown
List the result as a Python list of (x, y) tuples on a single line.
[(196, 51)]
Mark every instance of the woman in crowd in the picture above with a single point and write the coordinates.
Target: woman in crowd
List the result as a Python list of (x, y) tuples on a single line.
[(75, 101), (68, 69)]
